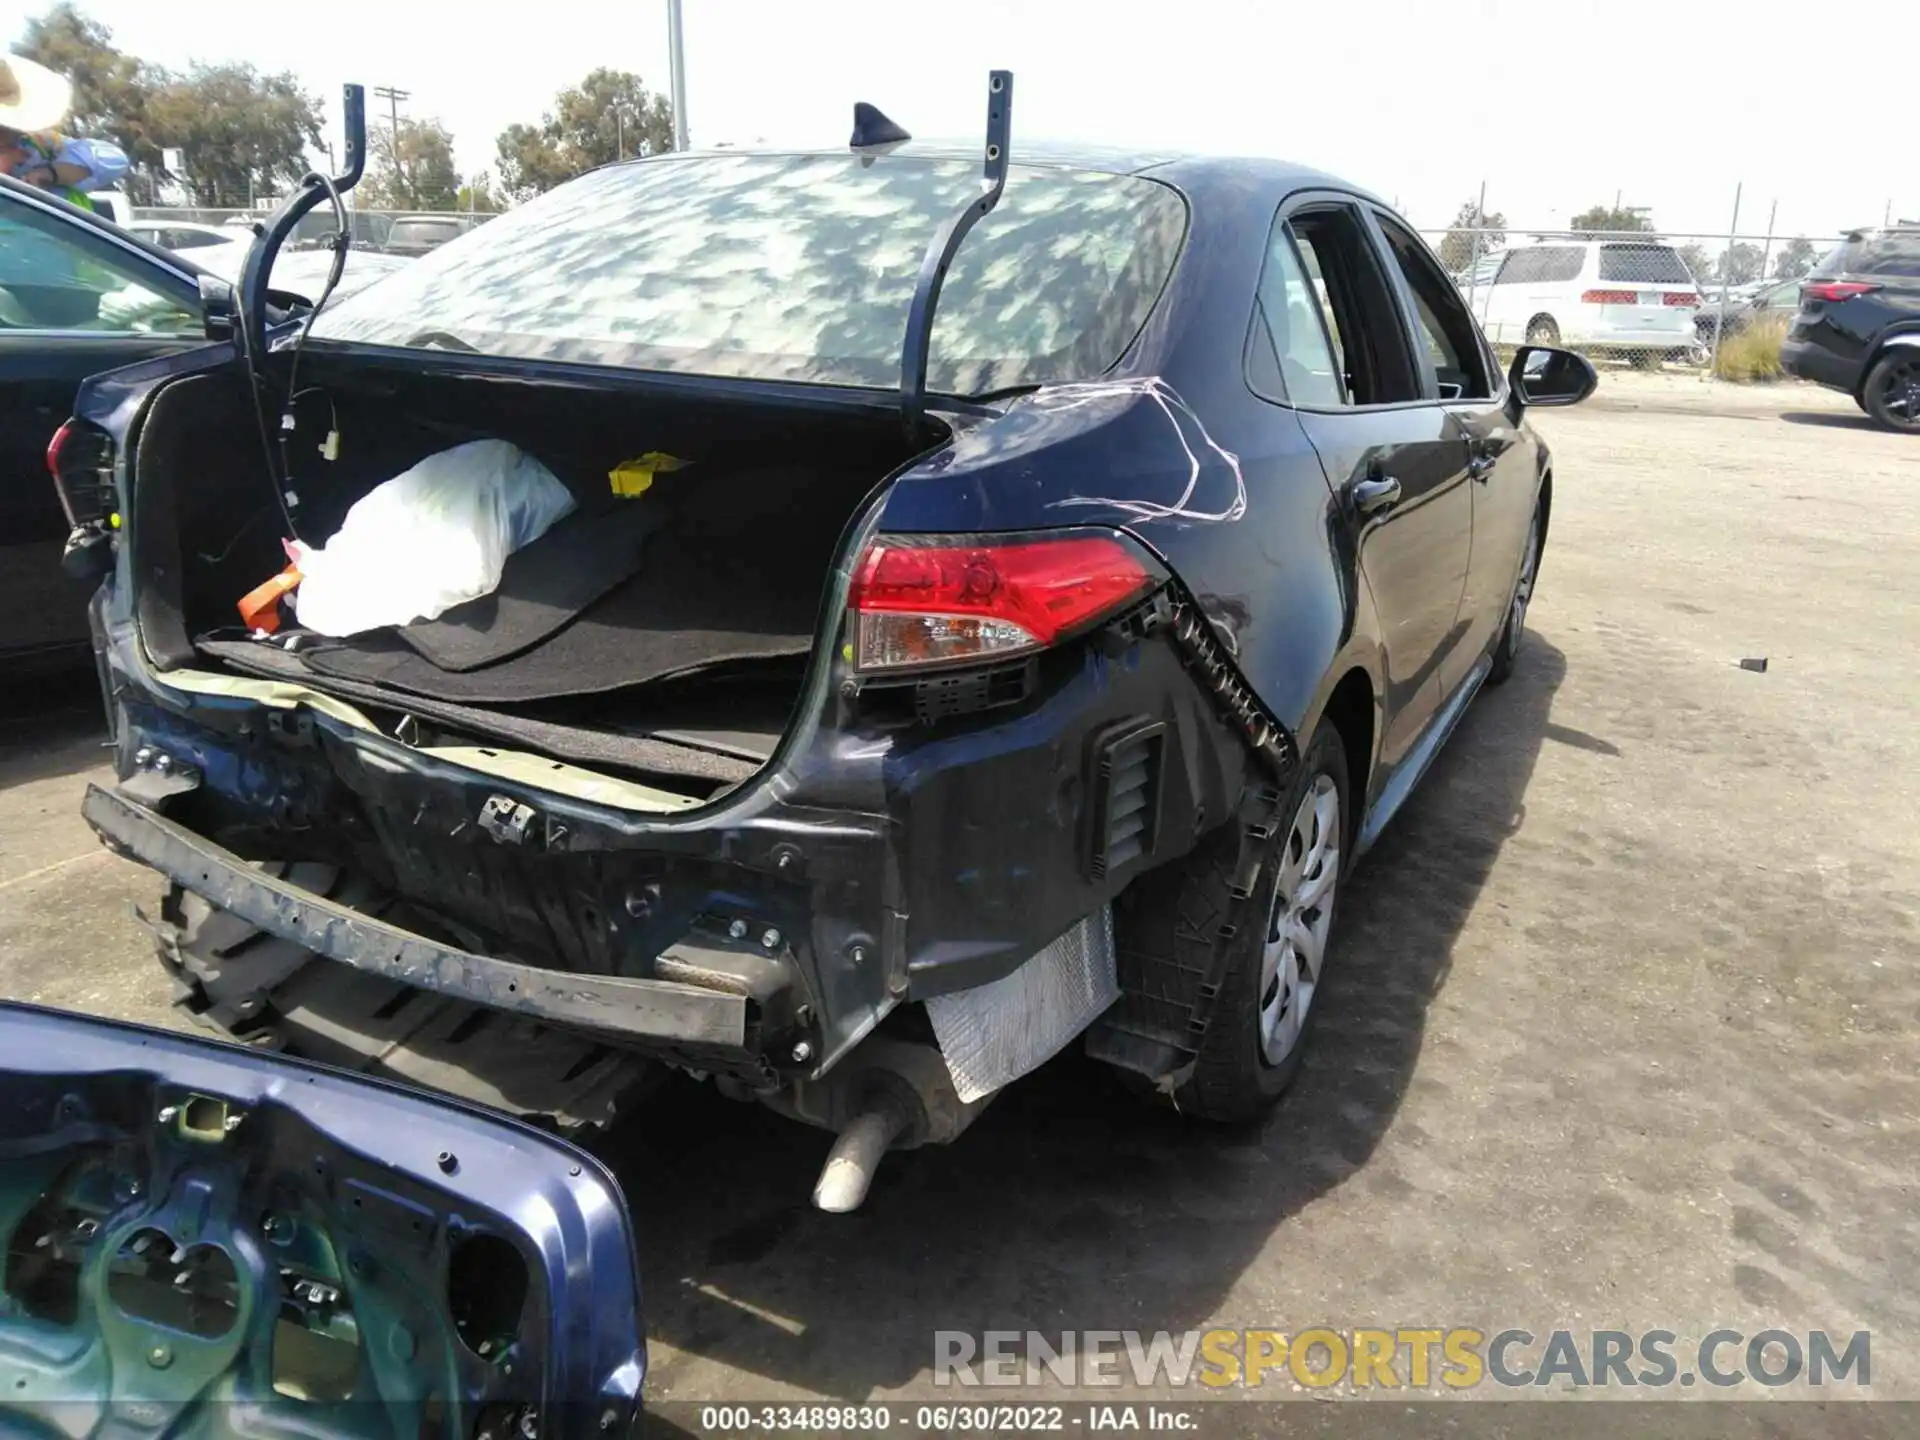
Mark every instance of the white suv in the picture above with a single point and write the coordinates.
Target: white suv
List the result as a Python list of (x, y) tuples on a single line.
[(1620, 295)]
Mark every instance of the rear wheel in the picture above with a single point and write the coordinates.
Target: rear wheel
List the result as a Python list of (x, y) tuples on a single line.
[(1507, 652), (1543, 330), (1275, 940), (1892, 392)]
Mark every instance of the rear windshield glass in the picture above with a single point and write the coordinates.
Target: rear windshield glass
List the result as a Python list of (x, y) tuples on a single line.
[(1541, 264), (1656, 264), (1884, 252), (802, 268)]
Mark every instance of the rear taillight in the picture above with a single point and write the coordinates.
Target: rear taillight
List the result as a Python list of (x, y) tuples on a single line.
[(1835, 289), (919, 601), (80, 460), (1683, 297), (1609, 297)]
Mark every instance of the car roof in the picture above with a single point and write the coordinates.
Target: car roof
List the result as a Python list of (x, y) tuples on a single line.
[(1183, 169)]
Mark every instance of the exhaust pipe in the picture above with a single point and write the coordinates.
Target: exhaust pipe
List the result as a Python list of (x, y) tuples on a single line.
[(856, 1154)]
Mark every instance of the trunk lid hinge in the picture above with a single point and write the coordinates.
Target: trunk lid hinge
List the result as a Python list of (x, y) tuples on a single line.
[(943, 246)]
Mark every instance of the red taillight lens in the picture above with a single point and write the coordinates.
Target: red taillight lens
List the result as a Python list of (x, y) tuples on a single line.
[(1835, 289), (1610, 297), (916, 603), (56, 445), (80, 460), (1683, 297)]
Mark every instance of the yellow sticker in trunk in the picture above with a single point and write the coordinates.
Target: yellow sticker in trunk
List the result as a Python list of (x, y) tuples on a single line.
[(631, 478)]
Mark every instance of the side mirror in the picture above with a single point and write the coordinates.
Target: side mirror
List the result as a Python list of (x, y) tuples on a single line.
[(1542, 375)]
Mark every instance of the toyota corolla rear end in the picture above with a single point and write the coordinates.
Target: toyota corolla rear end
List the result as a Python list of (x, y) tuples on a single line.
[(756, 773)]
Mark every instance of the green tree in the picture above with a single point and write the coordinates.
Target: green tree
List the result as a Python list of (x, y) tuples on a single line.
[(477, 195), (1739, 263), (1602, 219), (111, 89), (529, 162), (1458, 248), (1699, 262), (413, 170), (610, 115), (1795, 259), (244, 134)]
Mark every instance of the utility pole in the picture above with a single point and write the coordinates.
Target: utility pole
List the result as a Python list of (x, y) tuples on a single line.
[(677, 68), (1726, 265), (393, 98)]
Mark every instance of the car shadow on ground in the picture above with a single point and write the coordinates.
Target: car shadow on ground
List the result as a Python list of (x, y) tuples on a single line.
[(1071, 1204), (1830, 419)]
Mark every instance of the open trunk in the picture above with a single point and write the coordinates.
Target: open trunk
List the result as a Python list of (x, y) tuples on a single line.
[(666, 635)]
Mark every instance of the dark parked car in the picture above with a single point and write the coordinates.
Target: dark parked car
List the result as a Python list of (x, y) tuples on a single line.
[(1006, 663), (207, 1233), (78, 295), (1858, 329), (1776, 303), (418, 234), (368, 228)]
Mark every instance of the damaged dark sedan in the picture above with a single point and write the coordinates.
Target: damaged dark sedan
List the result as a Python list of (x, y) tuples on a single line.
[(995, 610)]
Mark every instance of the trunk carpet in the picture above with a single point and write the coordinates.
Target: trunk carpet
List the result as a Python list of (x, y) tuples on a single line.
[(736, 576), (541, 588)]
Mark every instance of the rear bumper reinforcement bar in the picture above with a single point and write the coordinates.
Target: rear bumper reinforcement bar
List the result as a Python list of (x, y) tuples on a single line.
[(644, 1009)]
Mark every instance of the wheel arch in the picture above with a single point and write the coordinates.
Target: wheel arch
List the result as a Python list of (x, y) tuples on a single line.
[(1903, 334)]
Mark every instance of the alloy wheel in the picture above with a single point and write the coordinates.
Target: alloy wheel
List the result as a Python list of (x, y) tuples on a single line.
[(1900, 393), (1523, 590), (1300, 919)]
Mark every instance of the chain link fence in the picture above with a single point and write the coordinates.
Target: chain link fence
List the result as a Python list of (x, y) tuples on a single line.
[(1649, 300)]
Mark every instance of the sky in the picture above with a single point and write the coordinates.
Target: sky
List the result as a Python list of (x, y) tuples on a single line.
[(1554, 105)]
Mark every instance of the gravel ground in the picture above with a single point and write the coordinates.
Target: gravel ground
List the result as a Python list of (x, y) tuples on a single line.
[(1621, 1032)]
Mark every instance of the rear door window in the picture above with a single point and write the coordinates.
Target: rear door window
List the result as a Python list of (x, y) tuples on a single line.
[(1653, 264), (1541, 265), (1446, 329), (1290, 353), (59, 276), (1344, 272)]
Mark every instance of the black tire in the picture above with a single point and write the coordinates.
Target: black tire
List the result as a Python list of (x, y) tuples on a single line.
[(1891, 394), (1506, 651), (1543, 330), (1188, 910)]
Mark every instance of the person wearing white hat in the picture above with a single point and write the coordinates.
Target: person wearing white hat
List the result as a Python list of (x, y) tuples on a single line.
[(33, 102)]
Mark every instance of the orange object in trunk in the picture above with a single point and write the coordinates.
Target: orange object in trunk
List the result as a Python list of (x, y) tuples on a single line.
[(260, 606)]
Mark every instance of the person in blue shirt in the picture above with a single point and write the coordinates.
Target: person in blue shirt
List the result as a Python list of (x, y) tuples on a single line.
[(33, 102)]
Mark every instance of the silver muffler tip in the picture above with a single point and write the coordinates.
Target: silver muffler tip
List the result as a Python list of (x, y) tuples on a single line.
[(856, 1154)]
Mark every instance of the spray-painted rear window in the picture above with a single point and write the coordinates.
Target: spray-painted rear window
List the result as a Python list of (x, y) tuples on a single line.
[(795, 267)]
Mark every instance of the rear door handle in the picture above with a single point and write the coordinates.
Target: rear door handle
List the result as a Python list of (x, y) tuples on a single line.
[(1375, 493)]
